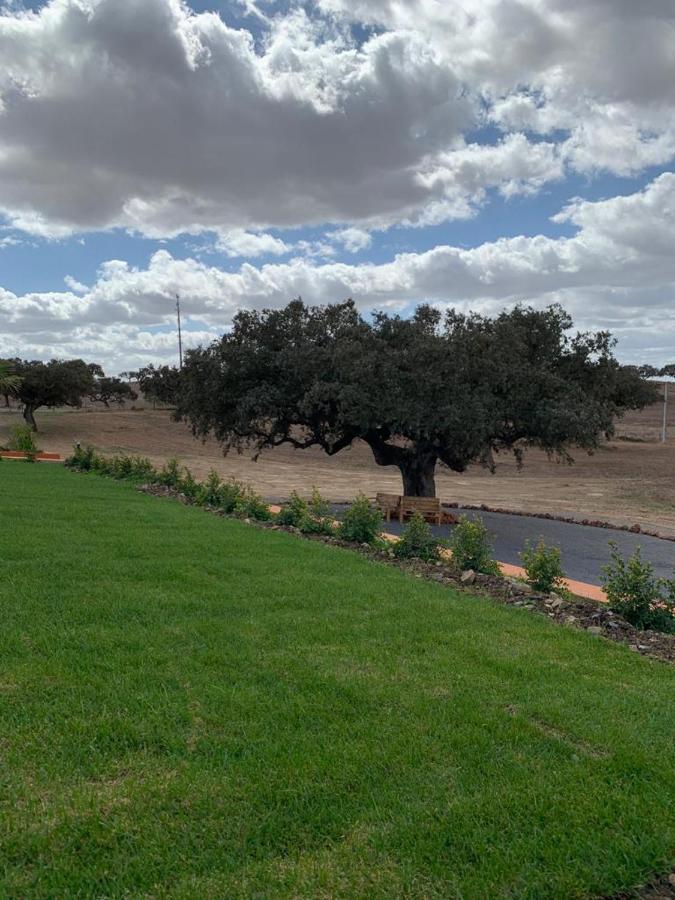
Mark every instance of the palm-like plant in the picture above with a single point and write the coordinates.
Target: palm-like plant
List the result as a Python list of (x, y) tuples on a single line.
[(9, 383)]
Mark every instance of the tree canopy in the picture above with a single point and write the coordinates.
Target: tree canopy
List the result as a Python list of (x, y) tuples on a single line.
[(109, 390), (649, 371), (55, 383), (160, 383), (452, 389)]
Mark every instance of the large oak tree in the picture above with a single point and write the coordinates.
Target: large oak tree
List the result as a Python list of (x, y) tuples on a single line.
[(55, 383), (419, 391)]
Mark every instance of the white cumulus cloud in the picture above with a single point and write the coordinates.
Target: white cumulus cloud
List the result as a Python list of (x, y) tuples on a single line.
[(617, 271)]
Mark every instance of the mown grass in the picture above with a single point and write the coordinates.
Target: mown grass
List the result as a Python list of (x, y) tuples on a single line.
[(191, 707)]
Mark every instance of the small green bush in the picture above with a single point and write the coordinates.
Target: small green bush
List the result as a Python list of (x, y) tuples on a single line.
[(103, 465), (417, 541), (361, 522), (22, 440), (231, 493), (250, 505), (319, 507), (320, 518), (122, 467), (188, 486), (83, 458), (543, 566), (142, 469), (170, 474), (210, 490), (294, 513), (634, 591), (318, 526), (471, 547)]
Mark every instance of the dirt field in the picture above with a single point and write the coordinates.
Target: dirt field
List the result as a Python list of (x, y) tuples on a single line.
[(626, 482)]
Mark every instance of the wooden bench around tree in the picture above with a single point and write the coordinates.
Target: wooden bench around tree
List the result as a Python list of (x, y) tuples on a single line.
[(402, 507), (427, 507), (388, 504)]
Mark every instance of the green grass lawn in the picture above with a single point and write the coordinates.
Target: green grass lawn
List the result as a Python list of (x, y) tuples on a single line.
[(191, 707)]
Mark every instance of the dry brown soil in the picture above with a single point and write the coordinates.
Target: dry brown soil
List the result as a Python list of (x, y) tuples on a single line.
[(626, 482)]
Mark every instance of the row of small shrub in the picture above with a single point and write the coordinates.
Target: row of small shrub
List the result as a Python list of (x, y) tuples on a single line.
[(233, 497), (632, 588), (311, 516)]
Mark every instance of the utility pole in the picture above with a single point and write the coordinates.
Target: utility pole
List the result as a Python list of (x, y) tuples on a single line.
[(180, 335), (664, 427)]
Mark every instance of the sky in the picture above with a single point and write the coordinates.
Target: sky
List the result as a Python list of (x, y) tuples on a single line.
[(239, 153)]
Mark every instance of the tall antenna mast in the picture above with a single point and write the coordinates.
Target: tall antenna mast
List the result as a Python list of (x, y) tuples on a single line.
[(180, 334)]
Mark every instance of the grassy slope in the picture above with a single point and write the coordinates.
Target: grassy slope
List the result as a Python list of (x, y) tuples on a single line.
[(192, 707)]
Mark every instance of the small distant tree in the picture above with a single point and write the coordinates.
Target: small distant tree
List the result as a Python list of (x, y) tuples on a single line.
[(160, 383), (421, 391), (111, 390), (55, 383)]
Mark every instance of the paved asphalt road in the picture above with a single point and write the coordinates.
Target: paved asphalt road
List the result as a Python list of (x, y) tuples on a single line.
[(584, 548)]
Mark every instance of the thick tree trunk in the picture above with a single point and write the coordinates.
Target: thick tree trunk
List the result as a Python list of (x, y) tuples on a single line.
[(419, 476), (29, 417), (416, 463)]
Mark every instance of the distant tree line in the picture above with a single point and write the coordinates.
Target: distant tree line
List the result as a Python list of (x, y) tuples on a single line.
[(69, 382), (648, 371), (160, 383), (35, 384)]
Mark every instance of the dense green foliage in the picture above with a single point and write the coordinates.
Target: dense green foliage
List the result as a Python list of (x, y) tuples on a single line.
[(313, 517), (63, 383), (22, 439), (361, 522), (543, 566), (9, 380), (190, 707), (320, 519), (294, 512), (417, 541), (232, 497), (471, 546), (170, 473), (55, 383), (649, 371), (159, 383), (250, 505), (634, 591), (418, 391)]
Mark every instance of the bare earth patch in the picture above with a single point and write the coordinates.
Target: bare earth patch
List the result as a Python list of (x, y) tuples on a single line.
[(627, 482)]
